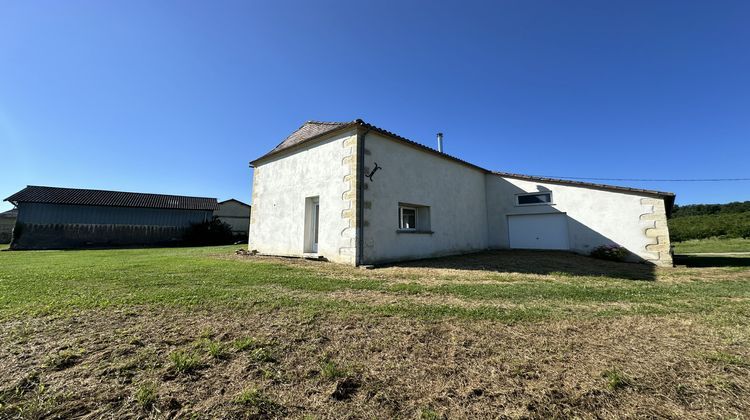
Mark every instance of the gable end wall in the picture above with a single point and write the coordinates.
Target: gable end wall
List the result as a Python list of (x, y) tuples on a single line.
[(326, 169)]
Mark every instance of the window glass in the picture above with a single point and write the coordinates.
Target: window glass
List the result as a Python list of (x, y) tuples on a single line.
[(408, 218), (535, 198)]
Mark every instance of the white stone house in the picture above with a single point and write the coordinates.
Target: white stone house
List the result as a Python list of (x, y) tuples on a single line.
[(354, 193)]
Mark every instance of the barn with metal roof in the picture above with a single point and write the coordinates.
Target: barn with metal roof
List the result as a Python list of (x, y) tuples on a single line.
[(60, 218)]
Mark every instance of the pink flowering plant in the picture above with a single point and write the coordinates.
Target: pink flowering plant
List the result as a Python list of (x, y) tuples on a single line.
[(611, 252)]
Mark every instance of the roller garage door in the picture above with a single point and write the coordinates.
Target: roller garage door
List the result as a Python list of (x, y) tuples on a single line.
[(538, 231)]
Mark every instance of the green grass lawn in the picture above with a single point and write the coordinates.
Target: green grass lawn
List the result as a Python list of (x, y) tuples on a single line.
[(712, 245), (201, 332), (59, 281)]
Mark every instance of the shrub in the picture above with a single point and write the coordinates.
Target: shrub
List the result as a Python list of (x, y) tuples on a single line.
[(17, 232), (214, 232), (610, 252)]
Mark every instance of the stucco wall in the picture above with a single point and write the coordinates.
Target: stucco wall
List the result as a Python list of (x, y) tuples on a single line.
[(455, 194), (595, 217), (325, 169)]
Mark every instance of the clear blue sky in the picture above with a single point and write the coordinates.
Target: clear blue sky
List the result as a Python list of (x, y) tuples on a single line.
[(177, 97)]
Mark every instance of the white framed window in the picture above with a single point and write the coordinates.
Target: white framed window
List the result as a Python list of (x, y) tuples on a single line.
[(407, 218), (534, 199)]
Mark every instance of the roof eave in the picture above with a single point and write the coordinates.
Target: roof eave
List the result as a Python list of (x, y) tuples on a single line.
[(421, 147), (661, 194), (207, 208), (18, 198)]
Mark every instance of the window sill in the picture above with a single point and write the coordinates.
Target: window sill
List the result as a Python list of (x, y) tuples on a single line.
[(423, 232)]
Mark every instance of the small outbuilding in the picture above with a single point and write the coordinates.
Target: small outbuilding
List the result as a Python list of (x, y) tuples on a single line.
[(7, 222), (236, 214), (63, 218)]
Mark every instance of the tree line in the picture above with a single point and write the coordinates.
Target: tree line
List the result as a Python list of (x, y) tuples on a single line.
[(701, 221), (706, 209)]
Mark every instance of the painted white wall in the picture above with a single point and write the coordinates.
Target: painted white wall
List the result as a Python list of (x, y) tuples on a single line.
[(454, 192), (468, 208), (280, 187), (595, 217)]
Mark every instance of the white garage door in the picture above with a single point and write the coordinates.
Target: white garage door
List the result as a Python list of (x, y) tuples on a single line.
[(538, 231)]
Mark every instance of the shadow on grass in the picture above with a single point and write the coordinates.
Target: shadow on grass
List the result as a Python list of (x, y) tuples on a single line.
[(537, 262), (711, 261)]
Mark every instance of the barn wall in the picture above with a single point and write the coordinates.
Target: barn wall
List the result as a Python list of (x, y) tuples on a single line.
[(236, 215), (57, 226), (40, 213), (6, 228)]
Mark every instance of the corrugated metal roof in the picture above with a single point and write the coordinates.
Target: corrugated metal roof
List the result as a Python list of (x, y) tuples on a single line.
[(55, 195)]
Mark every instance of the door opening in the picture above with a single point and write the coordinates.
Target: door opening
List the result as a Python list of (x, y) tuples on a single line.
[(312, 224), (538, 231)]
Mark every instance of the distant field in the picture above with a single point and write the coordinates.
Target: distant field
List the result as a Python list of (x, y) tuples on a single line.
[(201, 332), (726, 225), (712, 245)]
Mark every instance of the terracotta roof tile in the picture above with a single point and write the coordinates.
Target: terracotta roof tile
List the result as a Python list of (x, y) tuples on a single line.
[(307, 131)]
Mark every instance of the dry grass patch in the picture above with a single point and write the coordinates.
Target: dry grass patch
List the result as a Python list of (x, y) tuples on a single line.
[(326, 365), (200, 333)]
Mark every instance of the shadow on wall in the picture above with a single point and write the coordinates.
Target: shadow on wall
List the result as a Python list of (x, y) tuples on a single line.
[(582, 241)]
